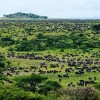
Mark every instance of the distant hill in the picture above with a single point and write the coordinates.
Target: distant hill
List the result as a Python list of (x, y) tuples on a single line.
[(24, 15)]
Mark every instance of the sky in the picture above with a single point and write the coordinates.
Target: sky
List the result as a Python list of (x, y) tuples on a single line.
[(53, 8)]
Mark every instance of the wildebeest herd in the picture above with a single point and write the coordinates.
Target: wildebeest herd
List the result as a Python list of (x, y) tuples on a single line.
[(61, 67)]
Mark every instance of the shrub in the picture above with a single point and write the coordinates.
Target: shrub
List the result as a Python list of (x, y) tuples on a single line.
[(14, 93), (30, 83), (49, 86), (53, 65), (97, 86), (81, 93)]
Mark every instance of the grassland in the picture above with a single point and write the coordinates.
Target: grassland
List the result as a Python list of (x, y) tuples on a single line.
[(25, 46)]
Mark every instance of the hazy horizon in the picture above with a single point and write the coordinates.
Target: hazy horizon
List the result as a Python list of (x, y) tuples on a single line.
[(53, 8)]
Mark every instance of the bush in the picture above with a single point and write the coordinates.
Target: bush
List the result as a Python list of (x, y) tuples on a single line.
[(81, 93), (30, 83), (49, 86), (97, 86), (14, 93), (53, 65)]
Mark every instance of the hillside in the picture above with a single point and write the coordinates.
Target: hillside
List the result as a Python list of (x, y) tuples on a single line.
[(24, 15)]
